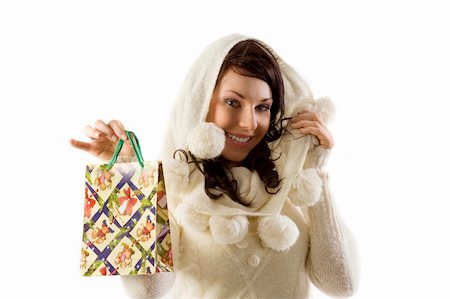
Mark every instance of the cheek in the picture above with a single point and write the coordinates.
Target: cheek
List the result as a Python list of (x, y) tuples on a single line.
[(222, 118), (264, 124)]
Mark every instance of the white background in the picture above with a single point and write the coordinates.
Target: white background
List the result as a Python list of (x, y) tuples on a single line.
[(385, 64)]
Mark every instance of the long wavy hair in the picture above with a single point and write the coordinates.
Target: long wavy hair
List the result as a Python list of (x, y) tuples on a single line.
[(249, 58)]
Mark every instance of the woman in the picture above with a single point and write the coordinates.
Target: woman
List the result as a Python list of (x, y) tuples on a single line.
[(250, 210)]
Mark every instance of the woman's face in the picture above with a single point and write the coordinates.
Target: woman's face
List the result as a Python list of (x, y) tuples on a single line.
[(240, 105)]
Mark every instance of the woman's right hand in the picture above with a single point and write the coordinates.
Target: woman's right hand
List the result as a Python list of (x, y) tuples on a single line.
[(104, 139)]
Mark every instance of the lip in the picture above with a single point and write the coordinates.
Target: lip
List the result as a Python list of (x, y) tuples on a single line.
[(227, 134)]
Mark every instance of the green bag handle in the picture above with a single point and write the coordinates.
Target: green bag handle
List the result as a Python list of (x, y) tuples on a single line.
[(136, 148)]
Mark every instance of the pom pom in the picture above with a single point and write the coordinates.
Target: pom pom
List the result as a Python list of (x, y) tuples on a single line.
[(228, 229), (178, 172), (206, 141), (323, 106), (306, 187), (326, 109), (304, 105), (278, 232), (188, 217)]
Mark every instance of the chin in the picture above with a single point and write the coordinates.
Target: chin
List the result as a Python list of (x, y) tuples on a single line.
[(236, 155), (234, 158)]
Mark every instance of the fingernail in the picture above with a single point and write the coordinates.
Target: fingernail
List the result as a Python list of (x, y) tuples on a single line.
[(123, 136), (114, 138)]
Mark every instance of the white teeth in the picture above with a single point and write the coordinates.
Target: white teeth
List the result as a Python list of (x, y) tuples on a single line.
[(238, 139)]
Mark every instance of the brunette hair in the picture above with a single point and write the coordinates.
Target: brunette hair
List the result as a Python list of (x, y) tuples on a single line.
[(249, 58)]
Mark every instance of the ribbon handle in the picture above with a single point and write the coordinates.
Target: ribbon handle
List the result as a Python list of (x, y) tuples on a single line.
[(136, 148)]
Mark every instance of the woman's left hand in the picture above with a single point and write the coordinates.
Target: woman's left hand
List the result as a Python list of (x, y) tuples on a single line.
[(309, 122)]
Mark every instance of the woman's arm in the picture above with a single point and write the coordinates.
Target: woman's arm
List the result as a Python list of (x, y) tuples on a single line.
[(332, 263)]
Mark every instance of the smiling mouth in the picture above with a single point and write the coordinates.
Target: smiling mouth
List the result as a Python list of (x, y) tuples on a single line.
[(239, 139)]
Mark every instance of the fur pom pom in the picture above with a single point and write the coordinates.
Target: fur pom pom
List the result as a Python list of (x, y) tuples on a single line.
[(188, 217), (306, 187), (326, 109), (178, 172), (278, 232), (206, 141), (304, 105), (228, 229), (323, 106)]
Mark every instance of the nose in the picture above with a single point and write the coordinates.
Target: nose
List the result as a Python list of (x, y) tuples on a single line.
[(248, 120)]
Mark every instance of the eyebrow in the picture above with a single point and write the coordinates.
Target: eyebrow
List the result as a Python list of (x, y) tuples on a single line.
[(239, 95)]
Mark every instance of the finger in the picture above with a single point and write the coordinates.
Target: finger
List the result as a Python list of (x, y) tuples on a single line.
[(91, 132), (118, 129), (312, 130), (323, 138), (105, 130), (306, 123), (308, 115), (85, 146), (128, 143)]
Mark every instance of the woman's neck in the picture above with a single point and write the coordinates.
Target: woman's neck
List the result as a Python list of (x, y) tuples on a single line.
[(230, 164)]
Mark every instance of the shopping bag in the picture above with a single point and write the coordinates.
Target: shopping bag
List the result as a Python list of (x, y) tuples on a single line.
[(126, 223)]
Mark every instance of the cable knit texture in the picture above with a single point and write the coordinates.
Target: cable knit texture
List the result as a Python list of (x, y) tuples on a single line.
[(280, 243)]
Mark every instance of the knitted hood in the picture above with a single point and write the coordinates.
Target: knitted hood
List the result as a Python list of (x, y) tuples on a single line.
[(188, 130)]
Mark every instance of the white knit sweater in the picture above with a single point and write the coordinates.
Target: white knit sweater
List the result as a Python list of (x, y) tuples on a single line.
[(275, 247)]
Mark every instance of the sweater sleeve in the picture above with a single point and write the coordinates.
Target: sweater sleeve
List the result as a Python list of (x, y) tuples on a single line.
[(332, 262), (148, 286)]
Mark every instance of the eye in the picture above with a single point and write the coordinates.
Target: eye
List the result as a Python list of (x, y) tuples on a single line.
[(263, 108), (232, 102)]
